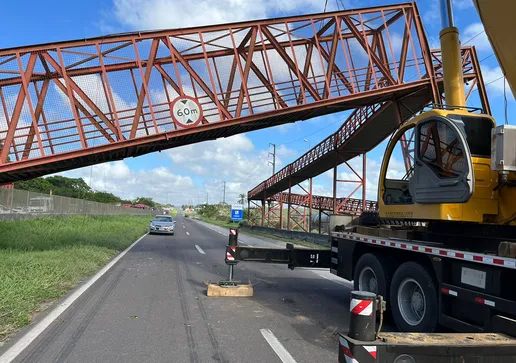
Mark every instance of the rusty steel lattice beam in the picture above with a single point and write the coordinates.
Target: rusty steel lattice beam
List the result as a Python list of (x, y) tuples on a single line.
[(76, 103), (367, 126), (346, 205)]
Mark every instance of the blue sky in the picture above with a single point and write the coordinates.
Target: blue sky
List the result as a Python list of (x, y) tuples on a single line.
[(195, 172)]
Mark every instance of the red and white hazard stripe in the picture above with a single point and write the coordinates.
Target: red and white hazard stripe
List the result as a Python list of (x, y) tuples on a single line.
[(449, 292), (361, 307), (481, 300), (443, 252), (229, 255), (371, 349), (344, 346), (232, 232)]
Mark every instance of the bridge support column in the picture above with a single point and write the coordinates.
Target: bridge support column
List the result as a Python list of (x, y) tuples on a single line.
[(364, 180), (248, 211), (310, 201), (281, 215), (335, 189), (288, 202), (263, 211), (320, 220)]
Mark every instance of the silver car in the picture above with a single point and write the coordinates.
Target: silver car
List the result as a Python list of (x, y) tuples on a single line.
[(162, 225)]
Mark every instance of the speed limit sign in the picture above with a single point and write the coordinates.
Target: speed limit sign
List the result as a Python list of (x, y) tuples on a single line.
[(186, 111)]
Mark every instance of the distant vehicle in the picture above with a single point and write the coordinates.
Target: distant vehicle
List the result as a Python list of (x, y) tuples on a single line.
[(162, 224), (41, 205)]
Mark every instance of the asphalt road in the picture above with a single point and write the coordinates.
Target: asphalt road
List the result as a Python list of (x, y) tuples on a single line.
[(152, 307)]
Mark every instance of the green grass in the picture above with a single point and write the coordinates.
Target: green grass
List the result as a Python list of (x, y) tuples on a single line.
[(218, 222), (41, 259), (228, 224)]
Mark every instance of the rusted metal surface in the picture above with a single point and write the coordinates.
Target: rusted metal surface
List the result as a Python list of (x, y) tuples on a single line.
[(76, 103), (345, 205)]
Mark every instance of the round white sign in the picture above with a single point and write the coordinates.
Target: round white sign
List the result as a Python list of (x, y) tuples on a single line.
[(186, 111)]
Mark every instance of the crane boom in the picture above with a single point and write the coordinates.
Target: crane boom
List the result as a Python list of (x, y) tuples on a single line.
[(497, 18)]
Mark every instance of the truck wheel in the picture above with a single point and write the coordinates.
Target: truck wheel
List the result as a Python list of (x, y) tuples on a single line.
[(413, 299), (373, 273)]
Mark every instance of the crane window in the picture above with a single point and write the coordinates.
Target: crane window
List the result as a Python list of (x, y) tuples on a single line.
[(478, 134), (400, 170), (440, 148)]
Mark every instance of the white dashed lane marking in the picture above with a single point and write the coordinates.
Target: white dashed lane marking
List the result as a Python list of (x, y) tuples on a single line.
[(276, 345), (200, 250)]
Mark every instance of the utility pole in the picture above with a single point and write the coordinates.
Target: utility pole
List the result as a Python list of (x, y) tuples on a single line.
[(273, 162), (207, 200), (224, 192)]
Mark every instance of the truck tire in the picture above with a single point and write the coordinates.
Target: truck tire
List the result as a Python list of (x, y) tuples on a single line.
[(413, 299), (373, 273)]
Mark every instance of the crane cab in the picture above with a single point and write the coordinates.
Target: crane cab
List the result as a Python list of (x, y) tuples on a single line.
[(437, 167)]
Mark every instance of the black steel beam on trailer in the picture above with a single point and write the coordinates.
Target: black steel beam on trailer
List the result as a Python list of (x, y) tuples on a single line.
[(293, 257)]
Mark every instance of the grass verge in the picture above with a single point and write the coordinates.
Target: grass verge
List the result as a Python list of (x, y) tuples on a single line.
[(41, 259), (262, 234), (219, 223)]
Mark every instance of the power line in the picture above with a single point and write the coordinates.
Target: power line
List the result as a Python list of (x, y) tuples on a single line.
[(487, 84), (473, 37), (313, 133), (256, 166), (483, 59)]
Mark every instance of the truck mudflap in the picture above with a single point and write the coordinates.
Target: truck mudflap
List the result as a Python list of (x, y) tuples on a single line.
[(429, 348)]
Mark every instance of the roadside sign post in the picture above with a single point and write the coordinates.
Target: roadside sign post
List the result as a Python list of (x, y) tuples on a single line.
[(231, 250), (237, 212)]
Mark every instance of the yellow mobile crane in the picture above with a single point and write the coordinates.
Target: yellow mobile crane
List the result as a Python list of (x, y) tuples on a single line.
[(463, 165), (442, 248)]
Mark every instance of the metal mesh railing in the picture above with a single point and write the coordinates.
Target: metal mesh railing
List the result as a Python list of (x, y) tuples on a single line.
[(13, 201)]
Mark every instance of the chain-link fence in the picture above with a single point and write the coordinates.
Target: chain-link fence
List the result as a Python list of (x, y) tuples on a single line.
[(21, 203)]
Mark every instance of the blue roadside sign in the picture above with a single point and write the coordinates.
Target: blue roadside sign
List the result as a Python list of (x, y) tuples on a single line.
[(237, 212)]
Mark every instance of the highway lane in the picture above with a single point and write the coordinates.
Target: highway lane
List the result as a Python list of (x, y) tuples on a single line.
[(152, 307)]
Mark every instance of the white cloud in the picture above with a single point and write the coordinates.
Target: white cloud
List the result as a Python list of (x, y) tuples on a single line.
[(475, 35), (493, 78), (433, 14), (462, 4), (233, 159), (161, 14), (117, 178)]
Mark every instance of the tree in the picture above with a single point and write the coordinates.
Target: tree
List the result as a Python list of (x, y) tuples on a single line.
[(38, 185), (145, 200), (104, 197), (242, 198), (69, 187)]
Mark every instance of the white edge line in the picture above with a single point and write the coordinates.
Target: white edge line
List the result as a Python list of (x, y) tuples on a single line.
[(276, 345), (32, 334), (200, 250)]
